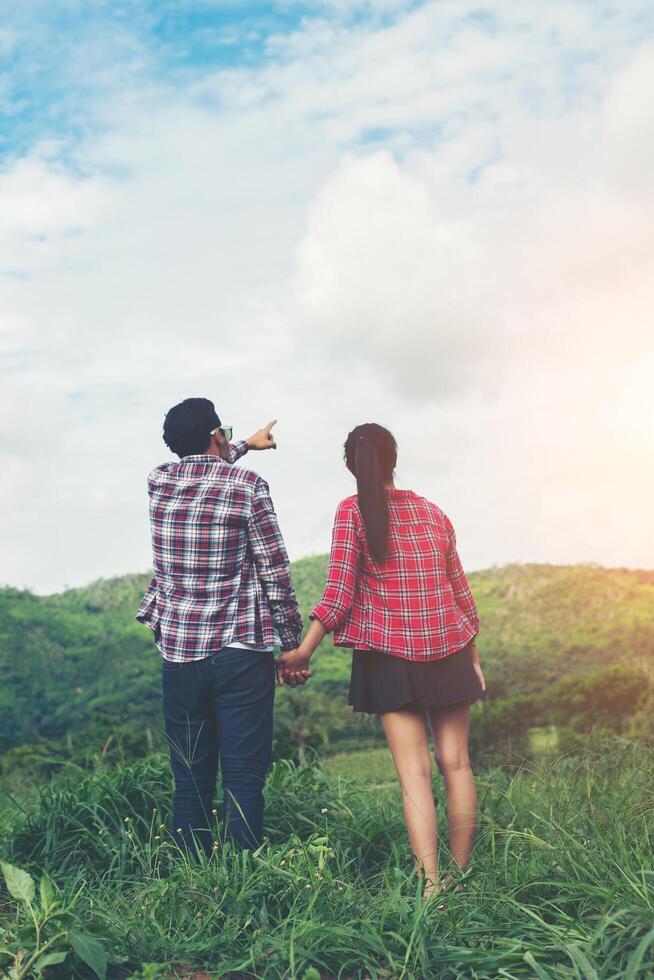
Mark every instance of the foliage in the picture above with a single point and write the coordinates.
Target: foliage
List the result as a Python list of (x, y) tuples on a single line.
[(79, 672), (45, 931), (562, 879), (561, 886)]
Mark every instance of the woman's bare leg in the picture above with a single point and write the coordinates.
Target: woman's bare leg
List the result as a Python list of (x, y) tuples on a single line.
[(406, 733), (450, 728)]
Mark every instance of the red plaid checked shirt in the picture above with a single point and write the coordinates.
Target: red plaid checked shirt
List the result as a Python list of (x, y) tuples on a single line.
[(417, 604), (221, 572)]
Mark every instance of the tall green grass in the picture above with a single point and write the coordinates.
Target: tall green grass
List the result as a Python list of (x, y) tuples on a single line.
[(561, 885)]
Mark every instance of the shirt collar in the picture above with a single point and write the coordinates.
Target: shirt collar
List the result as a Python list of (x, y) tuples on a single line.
[(200, 463)]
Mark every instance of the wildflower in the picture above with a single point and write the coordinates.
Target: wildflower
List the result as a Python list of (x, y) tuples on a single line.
[(162, 826), (282, 863), (179, 830), (323, 809), (215, 813), (157, 837), (126, 819)]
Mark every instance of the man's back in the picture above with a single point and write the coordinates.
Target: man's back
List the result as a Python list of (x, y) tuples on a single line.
[(221, 573)]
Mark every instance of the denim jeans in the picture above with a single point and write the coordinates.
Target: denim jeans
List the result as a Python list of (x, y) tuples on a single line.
[(219, 709)]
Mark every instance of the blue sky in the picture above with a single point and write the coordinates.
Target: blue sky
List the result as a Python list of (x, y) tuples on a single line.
[(437, 214), (59, 58)]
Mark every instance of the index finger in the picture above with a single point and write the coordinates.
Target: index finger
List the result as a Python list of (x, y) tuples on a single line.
[(270, 425)]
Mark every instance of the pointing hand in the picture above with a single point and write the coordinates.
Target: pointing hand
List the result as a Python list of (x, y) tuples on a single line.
[(263, 438)]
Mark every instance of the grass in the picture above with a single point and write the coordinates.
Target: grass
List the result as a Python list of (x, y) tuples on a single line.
[(562, 883), (374, 766)]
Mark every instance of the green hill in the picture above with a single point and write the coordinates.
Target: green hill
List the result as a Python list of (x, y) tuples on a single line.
[(78, 663), (561, 880)]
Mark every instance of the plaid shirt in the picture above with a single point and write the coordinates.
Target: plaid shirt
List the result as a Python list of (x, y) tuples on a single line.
[(417, 604), (221, 572)]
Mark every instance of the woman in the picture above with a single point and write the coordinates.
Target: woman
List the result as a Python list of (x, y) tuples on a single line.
[(397, 594)]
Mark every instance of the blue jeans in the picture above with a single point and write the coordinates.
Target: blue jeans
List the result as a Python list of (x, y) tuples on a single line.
[(219, 709)]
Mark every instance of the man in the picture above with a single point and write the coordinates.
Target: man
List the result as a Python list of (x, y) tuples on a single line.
[(220, 598)]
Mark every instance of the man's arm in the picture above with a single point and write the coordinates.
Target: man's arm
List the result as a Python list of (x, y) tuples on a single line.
[(235, 450), (273, 567), (147, 613)]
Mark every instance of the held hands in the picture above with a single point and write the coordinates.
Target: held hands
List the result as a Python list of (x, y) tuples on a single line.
[(263, 438), (293, 667)]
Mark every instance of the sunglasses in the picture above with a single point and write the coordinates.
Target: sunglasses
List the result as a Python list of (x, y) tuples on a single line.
[(227, 431)]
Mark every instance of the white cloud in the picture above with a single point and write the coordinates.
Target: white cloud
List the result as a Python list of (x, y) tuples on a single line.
[(443, 223), (380, 276), (42, 207)]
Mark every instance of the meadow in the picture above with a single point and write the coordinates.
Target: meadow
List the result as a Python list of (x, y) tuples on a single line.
[(562, 881)]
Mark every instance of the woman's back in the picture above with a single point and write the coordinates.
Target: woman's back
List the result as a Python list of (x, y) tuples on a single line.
[(416, 603)]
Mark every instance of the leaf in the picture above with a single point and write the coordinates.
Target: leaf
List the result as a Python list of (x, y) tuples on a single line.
[(50, 959), (581, 961), (151, 971), (63, 918), (19, 884), (89, 950), (540, 971), (26, 934), (47, 893), (264, 918), (633, 966)]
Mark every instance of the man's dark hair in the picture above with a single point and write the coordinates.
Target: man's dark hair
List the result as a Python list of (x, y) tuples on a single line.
[(188, 426)]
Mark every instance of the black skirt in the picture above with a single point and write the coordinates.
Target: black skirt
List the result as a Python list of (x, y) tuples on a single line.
[(380, 682)]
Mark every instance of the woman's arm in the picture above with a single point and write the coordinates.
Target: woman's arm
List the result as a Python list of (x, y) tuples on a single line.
[(460, 588), (337, 598), (343, 571), (476, 664)]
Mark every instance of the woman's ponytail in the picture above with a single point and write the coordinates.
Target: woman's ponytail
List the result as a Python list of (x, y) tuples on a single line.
[(371, 454)]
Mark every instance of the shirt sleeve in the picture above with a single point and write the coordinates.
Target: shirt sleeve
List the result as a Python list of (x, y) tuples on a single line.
[(337, 599), (273, 567), (458, 581), (147, 613), (236, 450)]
